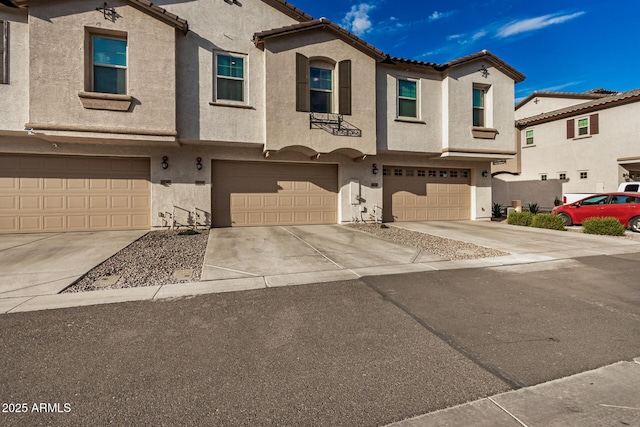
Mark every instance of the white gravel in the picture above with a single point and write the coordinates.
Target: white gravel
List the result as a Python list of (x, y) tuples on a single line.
[(446, 248), (149, 261)]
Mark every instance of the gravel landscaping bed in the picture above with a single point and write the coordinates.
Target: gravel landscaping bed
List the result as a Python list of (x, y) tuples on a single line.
[(149, 261), (446, 248)]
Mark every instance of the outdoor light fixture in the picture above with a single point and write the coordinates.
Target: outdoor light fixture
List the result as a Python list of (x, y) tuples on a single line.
[(485, 173), (165, 163), (199, 163), (374, 169)]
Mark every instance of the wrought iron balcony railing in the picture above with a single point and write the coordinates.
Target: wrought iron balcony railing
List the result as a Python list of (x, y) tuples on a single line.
[(333, 123)]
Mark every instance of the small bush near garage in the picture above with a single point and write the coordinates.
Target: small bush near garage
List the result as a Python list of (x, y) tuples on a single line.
[(603, 226), (548, 221), (520, 218)]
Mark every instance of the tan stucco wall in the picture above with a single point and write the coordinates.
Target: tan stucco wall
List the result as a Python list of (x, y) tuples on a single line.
[(220, 26), (57, 66), (423, 135), (545, 104), (552, 152), (286, 126), (15, 95), (457, 98)]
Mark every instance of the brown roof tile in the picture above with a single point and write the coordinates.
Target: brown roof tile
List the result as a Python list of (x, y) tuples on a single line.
[(290, 10), (583, 108), (321, 23)]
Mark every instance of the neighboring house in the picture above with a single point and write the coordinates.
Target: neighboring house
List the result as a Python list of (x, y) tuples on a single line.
[(127, 115), (571, 143)]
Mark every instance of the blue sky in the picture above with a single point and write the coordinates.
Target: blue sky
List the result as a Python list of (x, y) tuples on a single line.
[(560, 45)]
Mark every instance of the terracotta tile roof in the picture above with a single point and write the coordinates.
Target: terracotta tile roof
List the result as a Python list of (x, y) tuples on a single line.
[(162, 14), (499, 63), (591, 94), (289, 10), (144, 5), (583, 108), (322, 23)]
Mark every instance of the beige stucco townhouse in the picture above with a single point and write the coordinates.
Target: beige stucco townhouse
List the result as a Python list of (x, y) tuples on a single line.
[(571, 143), (126, 115)]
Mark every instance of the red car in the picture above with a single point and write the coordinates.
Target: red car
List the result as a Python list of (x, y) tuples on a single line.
[(625, 207)]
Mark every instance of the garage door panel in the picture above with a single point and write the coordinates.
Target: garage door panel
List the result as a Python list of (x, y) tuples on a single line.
[(58, 193), (261, 193), (428, 194)]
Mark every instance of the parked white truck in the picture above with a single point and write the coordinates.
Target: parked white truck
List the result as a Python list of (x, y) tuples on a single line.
[(625, 187)]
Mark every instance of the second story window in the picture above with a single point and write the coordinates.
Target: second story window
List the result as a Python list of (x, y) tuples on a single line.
[(479, 107), (229, 78), (407, 98), (321, 89), (529, 136), (583, 126), (109, 64), (321, 83)]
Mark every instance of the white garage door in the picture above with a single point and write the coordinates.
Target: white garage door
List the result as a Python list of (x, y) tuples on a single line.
[(422, 194), (73, 193), (261, 193)]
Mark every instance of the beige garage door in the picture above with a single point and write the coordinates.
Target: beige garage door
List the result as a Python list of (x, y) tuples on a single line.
[(66, 193), (255, 193), (422, 194)]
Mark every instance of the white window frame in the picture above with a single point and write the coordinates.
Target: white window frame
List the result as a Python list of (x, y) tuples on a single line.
[(484, 90), (416, 99), (526, 138), (124, 38), (324, 65), (244, 79), (587, 127)]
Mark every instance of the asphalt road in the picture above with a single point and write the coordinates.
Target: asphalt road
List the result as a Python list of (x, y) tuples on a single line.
[(366, 352)]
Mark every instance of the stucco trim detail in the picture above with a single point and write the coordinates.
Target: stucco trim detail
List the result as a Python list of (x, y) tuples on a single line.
[(100, 129), (483, 133), (242, 106), (105, 101), (478, 151), (420, 122)]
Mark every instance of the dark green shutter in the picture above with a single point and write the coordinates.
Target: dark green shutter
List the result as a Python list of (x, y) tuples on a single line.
[(4, 46), (571, 129), (302, 83), (344, 94)]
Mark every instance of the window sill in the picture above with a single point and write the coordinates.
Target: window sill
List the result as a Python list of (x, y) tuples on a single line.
[(483, 133), (409, 120), (582, 137), (224, 104), (529, 146), (105, 101)]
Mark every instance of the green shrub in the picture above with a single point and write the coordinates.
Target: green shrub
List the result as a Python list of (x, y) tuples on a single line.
[(549, 221), (497, 210), (604, 226), (187, 233), (533, 208), (520, 218)]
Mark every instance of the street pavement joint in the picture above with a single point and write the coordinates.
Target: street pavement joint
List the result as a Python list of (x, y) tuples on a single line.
[(507, 379)]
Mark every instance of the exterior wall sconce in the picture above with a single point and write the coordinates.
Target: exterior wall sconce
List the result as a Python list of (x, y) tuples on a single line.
[(165, 163), (374, 169), (199, 163), (484, 174)]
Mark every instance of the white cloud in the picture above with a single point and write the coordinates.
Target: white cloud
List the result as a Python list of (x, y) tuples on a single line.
[(533, 24), (439, 15), (357, 20)]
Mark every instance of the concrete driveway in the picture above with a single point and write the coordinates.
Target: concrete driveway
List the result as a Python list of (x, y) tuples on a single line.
[(290, 250), (46, 263)]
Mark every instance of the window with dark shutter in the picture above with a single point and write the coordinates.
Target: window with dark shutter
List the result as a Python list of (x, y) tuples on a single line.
[(4, 46), (344, 71), (571, 129), (302, 83), (594, 126)]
